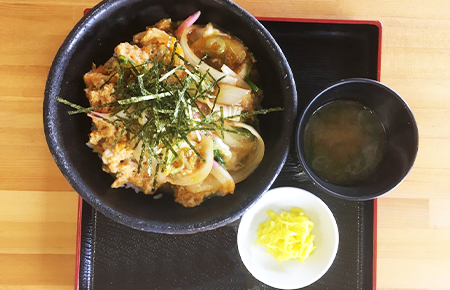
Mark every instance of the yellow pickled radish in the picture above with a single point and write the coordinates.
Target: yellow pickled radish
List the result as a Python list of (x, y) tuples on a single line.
[(287, 236)]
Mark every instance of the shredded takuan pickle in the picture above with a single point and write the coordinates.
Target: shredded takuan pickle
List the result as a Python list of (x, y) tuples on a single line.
[(287, 236)]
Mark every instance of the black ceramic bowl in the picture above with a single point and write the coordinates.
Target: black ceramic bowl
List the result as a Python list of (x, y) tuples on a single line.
[(92, 41), (401, 132)]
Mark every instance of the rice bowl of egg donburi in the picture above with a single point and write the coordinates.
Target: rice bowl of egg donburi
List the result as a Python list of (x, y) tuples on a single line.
[(180, 113)]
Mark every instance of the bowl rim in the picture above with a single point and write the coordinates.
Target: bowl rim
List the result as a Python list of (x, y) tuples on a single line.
[(302, 120), (59, 65), (267, 202)]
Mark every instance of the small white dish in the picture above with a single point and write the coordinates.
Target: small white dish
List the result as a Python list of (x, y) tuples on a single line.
[(290, 274)]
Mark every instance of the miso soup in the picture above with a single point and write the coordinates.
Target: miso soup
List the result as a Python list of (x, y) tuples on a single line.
[(344, 142)]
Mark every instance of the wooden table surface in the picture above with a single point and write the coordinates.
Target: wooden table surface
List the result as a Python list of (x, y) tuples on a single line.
[(38, 208)]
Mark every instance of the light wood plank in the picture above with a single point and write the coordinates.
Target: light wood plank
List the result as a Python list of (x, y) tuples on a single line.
[(38, 237), (440, 213), (431, 153), (414, 244), (31, 79), (39, 206), (401, 32), (19, 113), (13, 173), (39, 269), (402, 289), (414, 9), (411, 273), (403, 213), (413, 62), (20, 56), (424, 183), (36, 287), (292, 8), (432, 126)]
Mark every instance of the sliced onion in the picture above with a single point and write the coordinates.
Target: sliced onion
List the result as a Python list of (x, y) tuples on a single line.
[(253, 161), (102, 116), (231, 95), (224, 177), (236, 141), (137, 151), (210, 30), (229, 111), (239, 80), (242, 71), (205, 148), (207, 186), (190, 56)]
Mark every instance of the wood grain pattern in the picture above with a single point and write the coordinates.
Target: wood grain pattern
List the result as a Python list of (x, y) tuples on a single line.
[(38, 207)]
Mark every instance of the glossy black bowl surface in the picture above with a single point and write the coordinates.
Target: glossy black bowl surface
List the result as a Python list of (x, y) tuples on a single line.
[(401, 132), (92, 41)]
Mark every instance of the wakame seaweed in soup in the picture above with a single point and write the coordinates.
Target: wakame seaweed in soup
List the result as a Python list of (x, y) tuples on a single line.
[(344, 141)]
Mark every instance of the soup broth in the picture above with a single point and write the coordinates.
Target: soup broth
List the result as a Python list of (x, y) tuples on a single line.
[(344, 142)]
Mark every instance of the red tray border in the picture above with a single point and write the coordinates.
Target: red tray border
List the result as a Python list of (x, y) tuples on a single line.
[(375, 204)]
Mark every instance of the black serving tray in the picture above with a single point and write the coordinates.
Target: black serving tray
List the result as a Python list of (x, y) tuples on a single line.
[(112, 256)]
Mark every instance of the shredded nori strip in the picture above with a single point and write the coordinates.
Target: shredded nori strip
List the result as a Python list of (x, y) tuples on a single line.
[(166, 96)]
